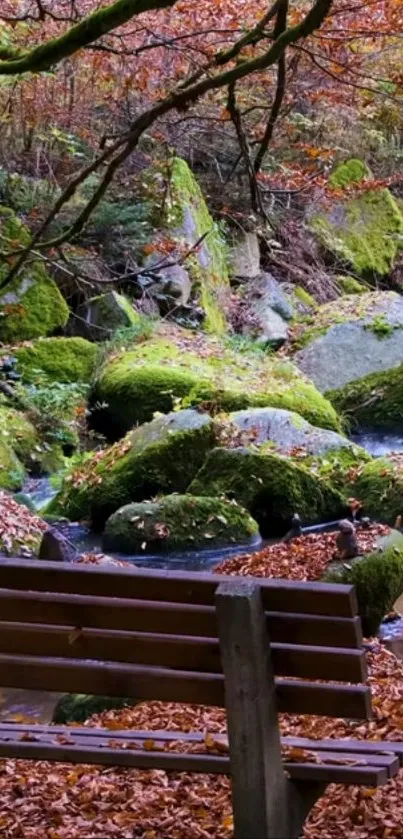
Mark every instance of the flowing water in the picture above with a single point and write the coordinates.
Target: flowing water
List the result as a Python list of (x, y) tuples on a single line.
[(378, 443)]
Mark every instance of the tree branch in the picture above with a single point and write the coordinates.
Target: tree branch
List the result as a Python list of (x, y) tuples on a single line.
[(281, 25), (83, 33)]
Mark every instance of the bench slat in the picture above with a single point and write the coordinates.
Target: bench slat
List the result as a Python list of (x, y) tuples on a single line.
[(185, 653), (146, 683), (160, 617), (372, 772), (366, 747), (196, 588)]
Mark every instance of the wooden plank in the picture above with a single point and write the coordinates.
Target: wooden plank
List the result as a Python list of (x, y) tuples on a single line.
[(175, 651), (185, 587), (369, 776), (331, 758), (365, 747), (109, 679), (98, 750), (313, 629), (143, 759), (160, 617), (311, 662), (144, 683), (107, 613), (260, 793), (325, 700), (182, 652)]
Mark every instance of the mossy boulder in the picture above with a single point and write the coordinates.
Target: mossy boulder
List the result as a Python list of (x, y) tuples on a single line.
[(350, 338), (175, 366), (20, 530), (21, 435), (78, 707), (379, 485), (178, 522), (160, 457), (183, 212), (12, 472), (288, 431), (99, 317), (31, 305), (270, 486), (363, 231), (374, 402), (62, 360), (378, 580)]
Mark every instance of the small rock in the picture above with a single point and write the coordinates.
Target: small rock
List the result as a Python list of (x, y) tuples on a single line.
[(245, 257), (55, 548)]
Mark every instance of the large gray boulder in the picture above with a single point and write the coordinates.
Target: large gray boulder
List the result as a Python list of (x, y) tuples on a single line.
[(288, 431), (352, 338)]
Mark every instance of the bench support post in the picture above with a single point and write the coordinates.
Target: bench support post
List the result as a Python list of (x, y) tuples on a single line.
[(266, 804)]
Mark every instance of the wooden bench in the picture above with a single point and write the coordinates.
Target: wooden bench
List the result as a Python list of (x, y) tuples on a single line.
[(254, 646)]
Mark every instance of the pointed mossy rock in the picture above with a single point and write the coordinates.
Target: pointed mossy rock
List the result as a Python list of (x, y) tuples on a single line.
[(18, 432), (350, 338), (177, 366), (178, 522), (270, 486), (99, 317), (364, 232), (160, 457), (63, 360), (184, 213), (373, 402), (378, 580), (78, 707), (12, 472), (379, 486), (31, 305)]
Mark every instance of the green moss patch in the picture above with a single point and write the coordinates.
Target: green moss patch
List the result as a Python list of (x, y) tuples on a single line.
[(378, 581), (271, 487), (349, 285), (60, 359), (78, 707), (175, 367), (379, 485), (184, 213), (12, 472), (31, 305), (160, 457), (178, 522), (353, 171), (376, 401), (363, 232)]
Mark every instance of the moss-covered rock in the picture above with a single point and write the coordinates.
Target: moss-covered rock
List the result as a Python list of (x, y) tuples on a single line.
[(378, 580), (99, 317), (160, 457), (184, 213), (59, 359), (78, 707), (349, 285), (363, 231), (31, 305), (271, 487), (18, 432), (338, 467), (350, 338), (12, 472), (379, 485), (175, 365), (375, 402), (178, 522), (352, 171)]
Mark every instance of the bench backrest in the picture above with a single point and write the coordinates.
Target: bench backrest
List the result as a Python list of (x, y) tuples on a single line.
[(154, 635)]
